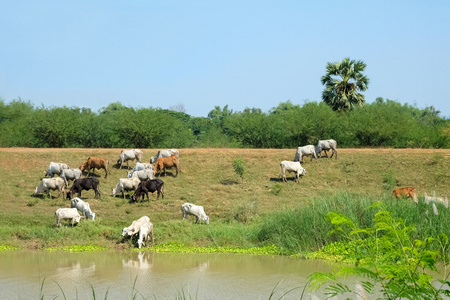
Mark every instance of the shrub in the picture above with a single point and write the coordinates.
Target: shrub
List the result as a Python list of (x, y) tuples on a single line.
[(239, 167)]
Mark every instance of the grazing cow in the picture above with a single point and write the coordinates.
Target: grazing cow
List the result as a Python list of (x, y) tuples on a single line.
[(151, 186), (164, 153), (83, 207), (70, 214), (323, 145), (55, 168), (126, 184), (70, 174), (84, 184), (139, 167), (95, 163), (308, 150), (144, 232), (127, 155), (143, 174), (292, 166), (48, 184), (408, 192), (166, 162), (135, 226), (194, 210), (436, 199)]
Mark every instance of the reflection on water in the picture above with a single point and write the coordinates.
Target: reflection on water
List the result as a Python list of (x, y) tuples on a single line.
[(153, 275)]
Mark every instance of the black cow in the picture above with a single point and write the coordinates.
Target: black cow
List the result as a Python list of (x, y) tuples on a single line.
[(84, 184), (151, 185)]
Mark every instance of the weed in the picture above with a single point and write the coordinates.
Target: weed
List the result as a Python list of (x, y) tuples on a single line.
[(389, 181), (239, 167), (276, 189)]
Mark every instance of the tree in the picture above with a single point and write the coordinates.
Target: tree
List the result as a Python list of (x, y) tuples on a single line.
[(343, 82)]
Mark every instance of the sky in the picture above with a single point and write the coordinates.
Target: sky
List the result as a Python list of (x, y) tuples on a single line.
[(196, 55)]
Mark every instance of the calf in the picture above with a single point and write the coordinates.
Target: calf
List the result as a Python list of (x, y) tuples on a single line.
[(408, 192), (70, 214), (292, 166), (168, 162), (95, 163), (84, 184), (144, 232), (126, 184), (151, 186), (83, 207), (48, 184)]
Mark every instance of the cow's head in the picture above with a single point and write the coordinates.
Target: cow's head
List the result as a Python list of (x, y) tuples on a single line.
[(83, 167)]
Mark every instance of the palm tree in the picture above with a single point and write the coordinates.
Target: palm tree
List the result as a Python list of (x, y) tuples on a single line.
[(343, 81)]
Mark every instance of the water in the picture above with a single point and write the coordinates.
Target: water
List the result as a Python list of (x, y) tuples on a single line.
[(121, 275)]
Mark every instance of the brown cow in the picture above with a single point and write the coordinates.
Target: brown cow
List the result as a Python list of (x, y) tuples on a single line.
[(95, 163), (166, 162), (408, 192)]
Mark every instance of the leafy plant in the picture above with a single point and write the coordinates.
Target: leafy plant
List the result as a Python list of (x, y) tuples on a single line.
[(239, 167), (396, 265), (389, 181)]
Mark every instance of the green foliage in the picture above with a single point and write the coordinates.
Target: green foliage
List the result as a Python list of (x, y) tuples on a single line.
[(389, 181), (239, 167), (383, 123), (343, 81), (396, 264)]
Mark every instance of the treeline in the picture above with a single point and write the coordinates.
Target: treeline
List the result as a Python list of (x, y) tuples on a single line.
[(383, 123)]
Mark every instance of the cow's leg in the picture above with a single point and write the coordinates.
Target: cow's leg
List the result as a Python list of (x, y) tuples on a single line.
[(176, 169)]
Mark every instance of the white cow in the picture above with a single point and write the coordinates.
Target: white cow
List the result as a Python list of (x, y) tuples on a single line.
[(127, 155), (433, 198), (164, 153), (308, 150), (292, 166), (70, 214), (144, 174), (55, 168), (139, 167), (135, 226), (70, 174), (324, 145), (126, 184), (194, 210), (83, 207), (144, 232), (48, 184)]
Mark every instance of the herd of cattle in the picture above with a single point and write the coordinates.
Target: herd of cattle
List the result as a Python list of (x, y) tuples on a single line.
[(141, 180)]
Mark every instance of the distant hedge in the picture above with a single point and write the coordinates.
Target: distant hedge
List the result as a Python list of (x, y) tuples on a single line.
[(383, 123)]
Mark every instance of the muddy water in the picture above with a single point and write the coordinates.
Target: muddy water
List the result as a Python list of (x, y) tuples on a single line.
[(120, 275)]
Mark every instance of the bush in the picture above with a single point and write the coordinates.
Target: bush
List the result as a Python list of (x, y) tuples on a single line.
[(239, 167)]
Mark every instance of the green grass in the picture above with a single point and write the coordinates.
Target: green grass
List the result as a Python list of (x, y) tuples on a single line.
[(259, 212)]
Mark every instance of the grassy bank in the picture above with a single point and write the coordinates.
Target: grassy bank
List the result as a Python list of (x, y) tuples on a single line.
[(260, 211)]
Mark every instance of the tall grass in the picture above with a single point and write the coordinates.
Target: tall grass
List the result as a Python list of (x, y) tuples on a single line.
[(306, 229)]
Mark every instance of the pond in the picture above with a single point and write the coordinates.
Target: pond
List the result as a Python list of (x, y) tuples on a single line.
[(149, 275)]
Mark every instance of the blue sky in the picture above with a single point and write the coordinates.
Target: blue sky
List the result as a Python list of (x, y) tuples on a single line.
[(202, 54)]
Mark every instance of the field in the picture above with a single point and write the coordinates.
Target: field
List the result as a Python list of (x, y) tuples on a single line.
[(207, 178)]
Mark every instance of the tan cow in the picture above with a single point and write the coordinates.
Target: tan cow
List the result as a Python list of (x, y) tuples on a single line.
[(408, 192), (95, 163), (166, 162)]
